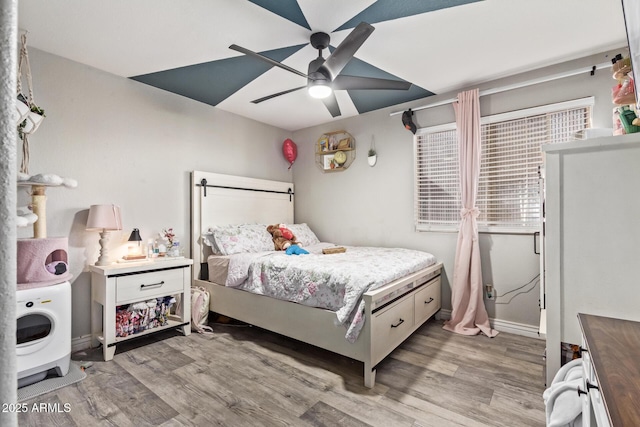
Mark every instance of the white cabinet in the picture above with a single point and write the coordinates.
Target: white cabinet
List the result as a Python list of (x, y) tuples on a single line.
[(594, 413), (611, 371), (119, 284), (592, 235)]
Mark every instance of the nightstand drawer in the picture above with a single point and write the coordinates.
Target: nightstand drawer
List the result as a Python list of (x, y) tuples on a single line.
[(138, 287), (427, 301)]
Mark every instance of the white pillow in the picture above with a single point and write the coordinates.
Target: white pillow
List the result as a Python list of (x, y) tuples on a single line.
[(242, 238), (208, 240), (303, 233)]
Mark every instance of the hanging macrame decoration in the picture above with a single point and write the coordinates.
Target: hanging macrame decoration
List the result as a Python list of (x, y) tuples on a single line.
[(30, 116)]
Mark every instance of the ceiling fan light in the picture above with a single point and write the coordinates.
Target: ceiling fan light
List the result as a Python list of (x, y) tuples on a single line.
[(319, 91)]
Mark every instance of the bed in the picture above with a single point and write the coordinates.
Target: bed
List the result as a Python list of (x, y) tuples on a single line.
[(389, 306)]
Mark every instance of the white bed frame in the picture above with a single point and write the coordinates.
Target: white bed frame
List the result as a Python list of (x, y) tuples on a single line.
[(392, 312)]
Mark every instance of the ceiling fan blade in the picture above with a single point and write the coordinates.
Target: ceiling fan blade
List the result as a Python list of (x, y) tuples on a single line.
[(345, 50), (265, 59), (284, 92), (354, 83), (332, 105)]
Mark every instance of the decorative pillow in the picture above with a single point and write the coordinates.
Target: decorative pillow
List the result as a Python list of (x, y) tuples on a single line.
[(207, 239), (235, 239), (303, 233)]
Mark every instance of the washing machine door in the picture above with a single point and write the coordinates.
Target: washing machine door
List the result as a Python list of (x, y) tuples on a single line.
[(33, 332)]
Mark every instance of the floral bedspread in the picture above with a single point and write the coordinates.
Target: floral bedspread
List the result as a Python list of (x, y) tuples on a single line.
[(335, 282)]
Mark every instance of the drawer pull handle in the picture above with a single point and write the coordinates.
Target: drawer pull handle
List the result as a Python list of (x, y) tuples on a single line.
[(581, 391), (589, 386), (151, 285), (399, 323), (430, 300)]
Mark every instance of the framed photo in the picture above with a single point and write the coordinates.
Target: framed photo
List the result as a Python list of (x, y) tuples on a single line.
[(328, 162), (344, 144), (323, 144)]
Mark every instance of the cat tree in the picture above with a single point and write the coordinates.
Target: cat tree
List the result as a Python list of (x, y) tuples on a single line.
[(29, 116), (40, 258)]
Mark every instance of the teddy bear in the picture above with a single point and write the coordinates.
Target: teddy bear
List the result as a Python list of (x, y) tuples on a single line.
[(282, 236), (285, 240)]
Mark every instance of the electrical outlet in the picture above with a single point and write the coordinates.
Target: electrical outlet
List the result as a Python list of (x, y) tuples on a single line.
[(489, 291)]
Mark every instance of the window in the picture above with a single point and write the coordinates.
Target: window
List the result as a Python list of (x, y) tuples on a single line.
[(508, 188)]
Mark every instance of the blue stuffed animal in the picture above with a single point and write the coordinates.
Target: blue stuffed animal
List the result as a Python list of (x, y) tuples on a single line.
[(295, 250), (285, 240)]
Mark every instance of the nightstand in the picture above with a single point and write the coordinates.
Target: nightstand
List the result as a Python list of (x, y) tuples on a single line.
[(120, 284)]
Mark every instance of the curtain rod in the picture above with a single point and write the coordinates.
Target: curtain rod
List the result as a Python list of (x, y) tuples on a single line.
[(517, 85)]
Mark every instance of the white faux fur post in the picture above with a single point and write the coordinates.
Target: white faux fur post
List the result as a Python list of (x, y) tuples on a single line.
[(8, 202)]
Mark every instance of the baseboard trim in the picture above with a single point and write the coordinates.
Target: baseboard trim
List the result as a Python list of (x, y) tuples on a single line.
[(530, 331), (80, 343), (84, 342)]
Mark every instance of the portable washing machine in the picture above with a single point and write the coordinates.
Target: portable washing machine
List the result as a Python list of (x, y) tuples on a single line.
[(44, 332)]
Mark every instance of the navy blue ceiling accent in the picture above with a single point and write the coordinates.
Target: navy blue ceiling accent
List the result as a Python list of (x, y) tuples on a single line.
[(369, 100), (386, 10), (288, 9), (212, 82)]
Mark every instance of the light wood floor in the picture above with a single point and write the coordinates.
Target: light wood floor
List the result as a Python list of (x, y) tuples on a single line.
[(245, 376)]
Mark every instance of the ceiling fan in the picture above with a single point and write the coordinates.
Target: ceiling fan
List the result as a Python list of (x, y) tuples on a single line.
[(323, 75)]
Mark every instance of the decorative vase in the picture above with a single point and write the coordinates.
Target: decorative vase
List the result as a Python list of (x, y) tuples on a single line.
[(372, 160)]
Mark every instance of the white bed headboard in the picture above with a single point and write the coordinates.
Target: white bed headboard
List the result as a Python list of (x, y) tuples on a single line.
[(218, 199)]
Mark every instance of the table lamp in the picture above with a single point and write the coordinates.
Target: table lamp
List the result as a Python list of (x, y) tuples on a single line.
[(105, 218), (135, 253)]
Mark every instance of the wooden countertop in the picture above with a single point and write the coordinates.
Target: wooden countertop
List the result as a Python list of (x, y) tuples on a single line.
[(614, 346)]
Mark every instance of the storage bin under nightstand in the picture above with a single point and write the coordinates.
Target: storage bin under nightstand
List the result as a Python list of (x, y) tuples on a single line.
[(120, 284)]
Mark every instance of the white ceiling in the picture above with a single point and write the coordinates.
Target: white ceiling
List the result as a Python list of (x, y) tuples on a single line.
[(440, 51)]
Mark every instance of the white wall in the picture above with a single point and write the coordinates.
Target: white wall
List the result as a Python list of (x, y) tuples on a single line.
[(133, 145), (374, 206)]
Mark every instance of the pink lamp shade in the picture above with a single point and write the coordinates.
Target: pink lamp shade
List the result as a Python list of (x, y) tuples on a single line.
[(104, 217)]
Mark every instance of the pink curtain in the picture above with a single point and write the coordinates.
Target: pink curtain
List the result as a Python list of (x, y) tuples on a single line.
[(469, 315)]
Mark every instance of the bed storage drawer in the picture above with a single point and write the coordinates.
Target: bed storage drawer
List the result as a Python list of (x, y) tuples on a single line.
[(427, 301), (138, 287), (393, 325)]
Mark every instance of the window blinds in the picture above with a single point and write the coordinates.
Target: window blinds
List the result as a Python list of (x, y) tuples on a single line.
[(437, 184), (508, 188)]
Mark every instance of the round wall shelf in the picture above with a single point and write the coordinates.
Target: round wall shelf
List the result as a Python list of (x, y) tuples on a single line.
[(335, 151)]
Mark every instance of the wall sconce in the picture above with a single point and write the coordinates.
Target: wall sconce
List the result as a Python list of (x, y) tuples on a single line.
[(105, 218)]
